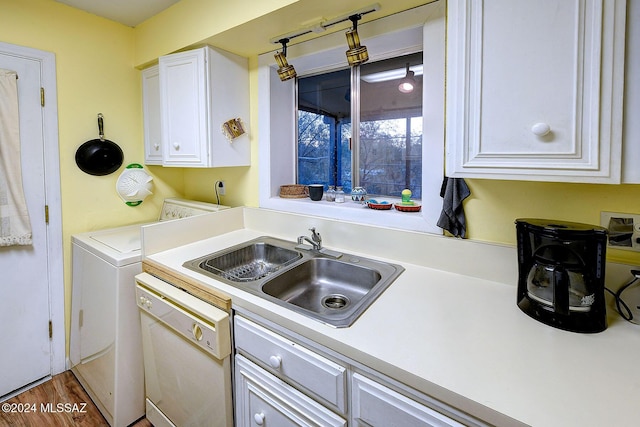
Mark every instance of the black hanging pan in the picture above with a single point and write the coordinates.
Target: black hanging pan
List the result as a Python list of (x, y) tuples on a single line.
[(99, 156)]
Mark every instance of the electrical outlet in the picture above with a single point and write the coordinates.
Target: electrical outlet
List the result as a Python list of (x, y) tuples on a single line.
[(624, 230), (221, 188)]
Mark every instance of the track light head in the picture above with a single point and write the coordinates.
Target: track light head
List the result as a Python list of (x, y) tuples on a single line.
[(285, 71), (356, 54), (408, 82)]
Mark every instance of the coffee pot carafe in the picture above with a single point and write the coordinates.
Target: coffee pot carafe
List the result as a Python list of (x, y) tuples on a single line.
[(561, 273), (557, 279)]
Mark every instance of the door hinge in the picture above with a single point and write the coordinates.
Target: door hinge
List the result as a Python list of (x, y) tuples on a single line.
[(42, 96), (50, 329), (46, 214)]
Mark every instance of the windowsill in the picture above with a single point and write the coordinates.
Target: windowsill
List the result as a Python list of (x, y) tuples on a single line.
[(351, 211), (420, 29)]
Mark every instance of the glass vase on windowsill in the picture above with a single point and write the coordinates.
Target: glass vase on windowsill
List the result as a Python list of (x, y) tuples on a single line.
[(331, 194)]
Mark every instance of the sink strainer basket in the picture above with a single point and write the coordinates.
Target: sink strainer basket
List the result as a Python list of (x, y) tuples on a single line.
[(250, 263), (255, 270)]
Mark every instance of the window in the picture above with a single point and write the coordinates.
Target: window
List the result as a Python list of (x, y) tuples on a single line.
[(388, 148), (398, 146), (324, 129)]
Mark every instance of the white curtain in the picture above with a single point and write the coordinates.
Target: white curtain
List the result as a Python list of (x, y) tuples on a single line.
[(15, 227)]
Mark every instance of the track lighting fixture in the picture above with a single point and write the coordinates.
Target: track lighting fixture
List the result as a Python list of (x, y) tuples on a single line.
[(408, 82), (285, 71), (356, 54)]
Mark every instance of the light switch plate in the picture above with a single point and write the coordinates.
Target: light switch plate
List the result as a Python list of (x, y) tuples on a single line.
[(624, 230)]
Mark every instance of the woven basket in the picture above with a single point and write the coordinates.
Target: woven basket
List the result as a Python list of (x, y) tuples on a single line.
[(294, 191)]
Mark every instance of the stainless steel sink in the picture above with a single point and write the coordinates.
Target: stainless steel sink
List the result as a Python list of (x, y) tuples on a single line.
[(333, 291), (247, 262)]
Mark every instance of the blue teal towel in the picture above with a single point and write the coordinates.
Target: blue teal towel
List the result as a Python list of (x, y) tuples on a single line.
[(452, 219)]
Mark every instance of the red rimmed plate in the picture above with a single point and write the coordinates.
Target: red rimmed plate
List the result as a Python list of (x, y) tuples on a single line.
[(379, 206), (407, 208)]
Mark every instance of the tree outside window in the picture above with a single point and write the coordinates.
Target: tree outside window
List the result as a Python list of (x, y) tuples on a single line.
[(390, 124)]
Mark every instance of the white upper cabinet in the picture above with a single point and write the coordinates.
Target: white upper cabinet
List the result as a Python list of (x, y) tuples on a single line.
[(631, 125), (199, 91), (151, 115), (535, 89)]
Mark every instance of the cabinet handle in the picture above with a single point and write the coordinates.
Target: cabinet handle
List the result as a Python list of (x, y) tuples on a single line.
[(259, 418), (156, 147), (176, 146), (275, 362), (541, 129)]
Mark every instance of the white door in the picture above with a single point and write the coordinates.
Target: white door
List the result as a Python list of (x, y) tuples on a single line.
[(25, 347)]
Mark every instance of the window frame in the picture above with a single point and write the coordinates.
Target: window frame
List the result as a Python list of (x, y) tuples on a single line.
[(419, 29)]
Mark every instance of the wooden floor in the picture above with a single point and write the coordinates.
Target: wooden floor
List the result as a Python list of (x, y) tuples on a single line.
[(60, 402)]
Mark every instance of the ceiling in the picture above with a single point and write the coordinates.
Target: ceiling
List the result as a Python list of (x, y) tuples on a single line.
[(127, 12), (254, 36)]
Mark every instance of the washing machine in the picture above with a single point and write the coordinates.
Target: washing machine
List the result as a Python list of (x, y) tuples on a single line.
[(105, 342)]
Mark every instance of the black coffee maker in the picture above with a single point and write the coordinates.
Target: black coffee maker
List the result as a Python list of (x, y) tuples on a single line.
[(561, 273)]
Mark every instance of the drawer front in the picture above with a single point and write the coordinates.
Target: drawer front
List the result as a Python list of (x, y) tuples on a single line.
[(377, 405), (264, 400), (291, 361)]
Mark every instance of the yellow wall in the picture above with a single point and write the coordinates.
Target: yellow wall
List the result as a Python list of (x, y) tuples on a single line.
[(96, 72), (494, 205), (241, 182), (167, 32)]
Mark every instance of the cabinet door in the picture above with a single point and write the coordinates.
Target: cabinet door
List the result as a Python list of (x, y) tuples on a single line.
[(534, 89), (183, 105), (151, 112), (263, 400), (377, 405), (292, 362), (631, 128)]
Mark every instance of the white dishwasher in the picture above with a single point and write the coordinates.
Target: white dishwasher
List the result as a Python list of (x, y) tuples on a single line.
[(186, 344)]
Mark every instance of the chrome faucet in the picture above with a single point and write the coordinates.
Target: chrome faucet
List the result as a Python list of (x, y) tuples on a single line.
[(315, 240)]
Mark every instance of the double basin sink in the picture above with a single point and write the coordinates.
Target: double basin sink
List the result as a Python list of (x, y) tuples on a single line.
[(335, 288)]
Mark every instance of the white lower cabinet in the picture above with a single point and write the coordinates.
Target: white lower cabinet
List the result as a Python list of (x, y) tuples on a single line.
[(316, 375), (285, 380), (377, 405), (264, 400)]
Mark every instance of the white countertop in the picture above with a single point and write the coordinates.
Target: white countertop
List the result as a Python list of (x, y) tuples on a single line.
[(464, 341)]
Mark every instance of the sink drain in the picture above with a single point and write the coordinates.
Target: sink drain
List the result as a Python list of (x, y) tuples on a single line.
[(335, 301)]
